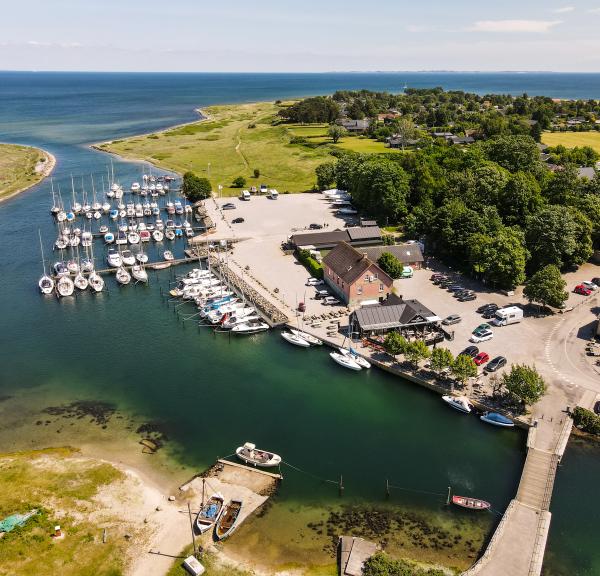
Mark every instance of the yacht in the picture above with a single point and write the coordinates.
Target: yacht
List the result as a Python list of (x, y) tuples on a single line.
[(345, 361), (80, 281), (157, 235), (65, 286), (96, 282), (128, 258), (114, 259), (133, 238), (45, 283), (295, 340), (139, 273), (141, 257), (121, 237), (250, 327), (123, 277), (135, 187)]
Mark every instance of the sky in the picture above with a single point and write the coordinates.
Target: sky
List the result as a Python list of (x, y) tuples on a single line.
[(299, 35)]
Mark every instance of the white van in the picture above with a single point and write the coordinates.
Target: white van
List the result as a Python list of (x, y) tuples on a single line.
[(509, 315), (245, 195), (274, 194)]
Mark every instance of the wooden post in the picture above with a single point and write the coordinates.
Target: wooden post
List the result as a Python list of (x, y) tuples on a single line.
[(203, 483), (387, 488), (192, 529), (341, 486), (448, 498)]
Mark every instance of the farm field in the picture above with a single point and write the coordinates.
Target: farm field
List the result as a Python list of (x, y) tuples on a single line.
[(572, 139)]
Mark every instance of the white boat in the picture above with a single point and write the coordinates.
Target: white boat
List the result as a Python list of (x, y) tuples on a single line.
[(121, 238), (496, 419), (73, 266), (313, 340), (145, 236), (46, 284), (250, 327), (157, 235), (133, 238), (123, 277), (210, 513), (103, 229), (141, 257), (61, 242), (135, 187), (60, 269), (295, 339), (170, 235), (86, 239), (74, 241), (87, 265), (168, 255), (251, 455), (65, 286), (362, 362), (128, 257), (239, 317), (345, 361), (113, 258), (460, 403), (139, 273), (96, 282), (80, 281)]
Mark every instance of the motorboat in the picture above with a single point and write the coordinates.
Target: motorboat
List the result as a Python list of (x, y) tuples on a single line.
[(178, 233), (141, 257), (135, 187), (351, 353), (170, 234), (250, 327), (209, 513), (178, 208), (170, 207), (470, 503), (243, 315), (227, 522), (189, 233), (113, 258), (113, 214), (170, 224), (109, 237), (103, 229), (249, 454), (65, 286), (96, 282), (80, 281), (46, 284), (123, 277), (460, 403), (128, 257), (159, 224), (133, 238), (295, 339), (157, 235), (139, 273), (312, 340), (168, 255), (60, 269), (496, 419), (121, 238), (345, 361)]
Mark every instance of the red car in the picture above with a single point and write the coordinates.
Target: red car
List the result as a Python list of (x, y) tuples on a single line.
[(583, 290), (481, 358)]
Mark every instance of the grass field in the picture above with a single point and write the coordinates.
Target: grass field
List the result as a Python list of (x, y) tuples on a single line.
[(17, 168), (572, 139), (62, 489)]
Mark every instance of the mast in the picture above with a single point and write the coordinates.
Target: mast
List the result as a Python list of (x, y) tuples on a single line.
[(42, 251)]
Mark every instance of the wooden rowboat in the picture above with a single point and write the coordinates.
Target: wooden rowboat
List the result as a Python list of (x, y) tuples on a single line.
[(227, 522), (210, 513), (470, 503)]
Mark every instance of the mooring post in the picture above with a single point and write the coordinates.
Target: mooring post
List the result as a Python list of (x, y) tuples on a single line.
[(341, 487), (448, 498), (387, 488)]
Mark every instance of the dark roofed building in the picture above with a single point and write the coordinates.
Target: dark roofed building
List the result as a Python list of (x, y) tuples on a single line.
[(461, 140), (359, 236), (366, 233), (408, 254), (355, 125)]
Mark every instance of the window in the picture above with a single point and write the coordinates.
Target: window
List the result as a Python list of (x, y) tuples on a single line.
[(359, 290), (376, 276), (381, 287)]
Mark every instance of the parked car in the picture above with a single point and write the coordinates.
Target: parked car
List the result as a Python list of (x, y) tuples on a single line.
[(470, 351), (229, 206), (315, 226), (321, 294), (435, 277), (482, 336), (481, 327), (495, 364), (314, 282), (485, 307), (596, 281), (481, 358), (445, 283), (462, 293), (590, 284), (237, 221), (455, 288), (489, 313), (583, 290), (467, 297), (440, 279), (330, 301), (452, 319)]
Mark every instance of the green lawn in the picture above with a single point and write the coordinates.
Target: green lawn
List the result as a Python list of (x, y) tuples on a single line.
[(572, 139), (365, 145), (17, 168)]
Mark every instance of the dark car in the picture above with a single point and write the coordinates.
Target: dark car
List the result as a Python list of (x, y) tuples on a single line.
[(436, 276), (237, 221), (467, 297), (456, 288), (452, 319), (440, 279), (470, 351), (485, 307), (596, 281), (489, 313), (315, 226), (495, 364), (462, 293), (229, 206)]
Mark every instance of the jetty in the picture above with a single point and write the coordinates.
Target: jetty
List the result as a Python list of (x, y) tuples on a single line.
[(353, 552)]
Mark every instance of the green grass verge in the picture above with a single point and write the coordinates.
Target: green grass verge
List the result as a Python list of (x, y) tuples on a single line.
[(17, 168), (572, 139)]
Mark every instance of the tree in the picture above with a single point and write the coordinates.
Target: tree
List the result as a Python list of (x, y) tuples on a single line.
[(394, 343), (520, 199), (325, 175), (417, 351), (514, 152), (586, 420), (336, 132), (547, 287), (524, 383), (405, 128), (441, 358), (390, 265), (195, 188), (256, 173), (311, 110), (239, 182), (463, 368)]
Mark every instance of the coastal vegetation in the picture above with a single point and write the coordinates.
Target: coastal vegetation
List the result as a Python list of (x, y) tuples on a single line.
[(21, 167), (586, 420)]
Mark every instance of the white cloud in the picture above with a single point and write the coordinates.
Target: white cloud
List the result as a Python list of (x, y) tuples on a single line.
[(535, 26), (564, 9), (594, 11)]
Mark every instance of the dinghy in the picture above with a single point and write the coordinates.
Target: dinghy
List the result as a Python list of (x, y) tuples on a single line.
[(496, 419), (227, 522), (313, 340), (295, 340), (209, 513), (345, 361), (470, 503), (460, 403), (250, 455)]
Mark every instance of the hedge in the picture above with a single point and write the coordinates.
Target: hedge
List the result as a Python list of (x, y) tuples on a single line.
[(310, 263)]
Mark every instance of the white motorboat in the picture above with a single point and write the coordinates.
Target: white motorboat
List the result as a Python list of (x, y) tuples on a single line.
[(139, 273), (168, 255), (133, 238), (141, 257), (60, 269), (96, 282), (145, 236), (65, 286), (80, 281), (237, 319), (362, 362), (295, 339), (123, 277), (345, 361), (128, 257), (135, 187), (460, 403), (249, 454), (250, 327), (121, 238), (209, 513), (313, 340), (170, 234), (113, 258), (157, 235), (103, 229), (106, 207)]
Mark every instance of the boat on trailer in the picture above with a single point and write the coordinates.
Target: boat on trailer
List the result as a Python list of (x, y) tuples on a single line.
[(496, 419), (210, 512), (228, 520), (250, 455), (470, 503)]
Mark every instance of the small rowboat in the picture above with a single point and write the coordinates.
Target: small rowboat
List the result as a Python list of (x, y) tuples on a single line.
[(470, 503), (227, 522), (295, 339), (345, 361), (496, 419), (209, 513), (249, 454)]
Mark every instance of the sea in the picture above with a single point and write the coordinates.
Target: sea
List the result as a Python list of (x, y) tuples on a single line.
[(129, 349)]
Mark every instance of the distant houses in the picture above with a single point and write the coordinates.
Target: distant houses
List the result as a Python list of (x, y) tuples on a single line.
[(356, 126)]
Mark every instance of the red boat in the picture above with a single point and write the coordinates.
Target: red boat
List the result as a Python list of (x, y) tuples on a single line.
[(470, 503)]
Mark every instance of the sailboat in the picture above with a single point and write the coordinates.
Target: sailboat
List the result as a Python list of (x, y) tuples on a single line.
[(80, 281), (157, 235), (351, 353), (96, 282), (295, 339), (123, 277), (345, 361), (306, 336), (65, 286), (75, 206), (139, 273), (55, 208), (45, 283)]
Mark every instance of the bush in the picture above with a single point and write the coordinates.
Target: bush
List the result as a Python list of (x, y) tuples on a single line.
[(586, 420), (310, 263), (298, 140), (390, 265), (256, 173), (239, 182)]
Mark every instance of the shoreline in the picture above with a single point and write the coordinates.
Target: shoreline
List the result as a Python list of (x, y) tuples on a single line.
[(43, 169)]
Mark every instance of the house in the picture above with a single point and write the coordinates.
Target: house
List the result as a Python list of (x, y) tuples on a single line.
[(355, 235), (408, 254), (460, 140), (355, 125), (353, 277), (398, 142), (388, 117), (409, 317)]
